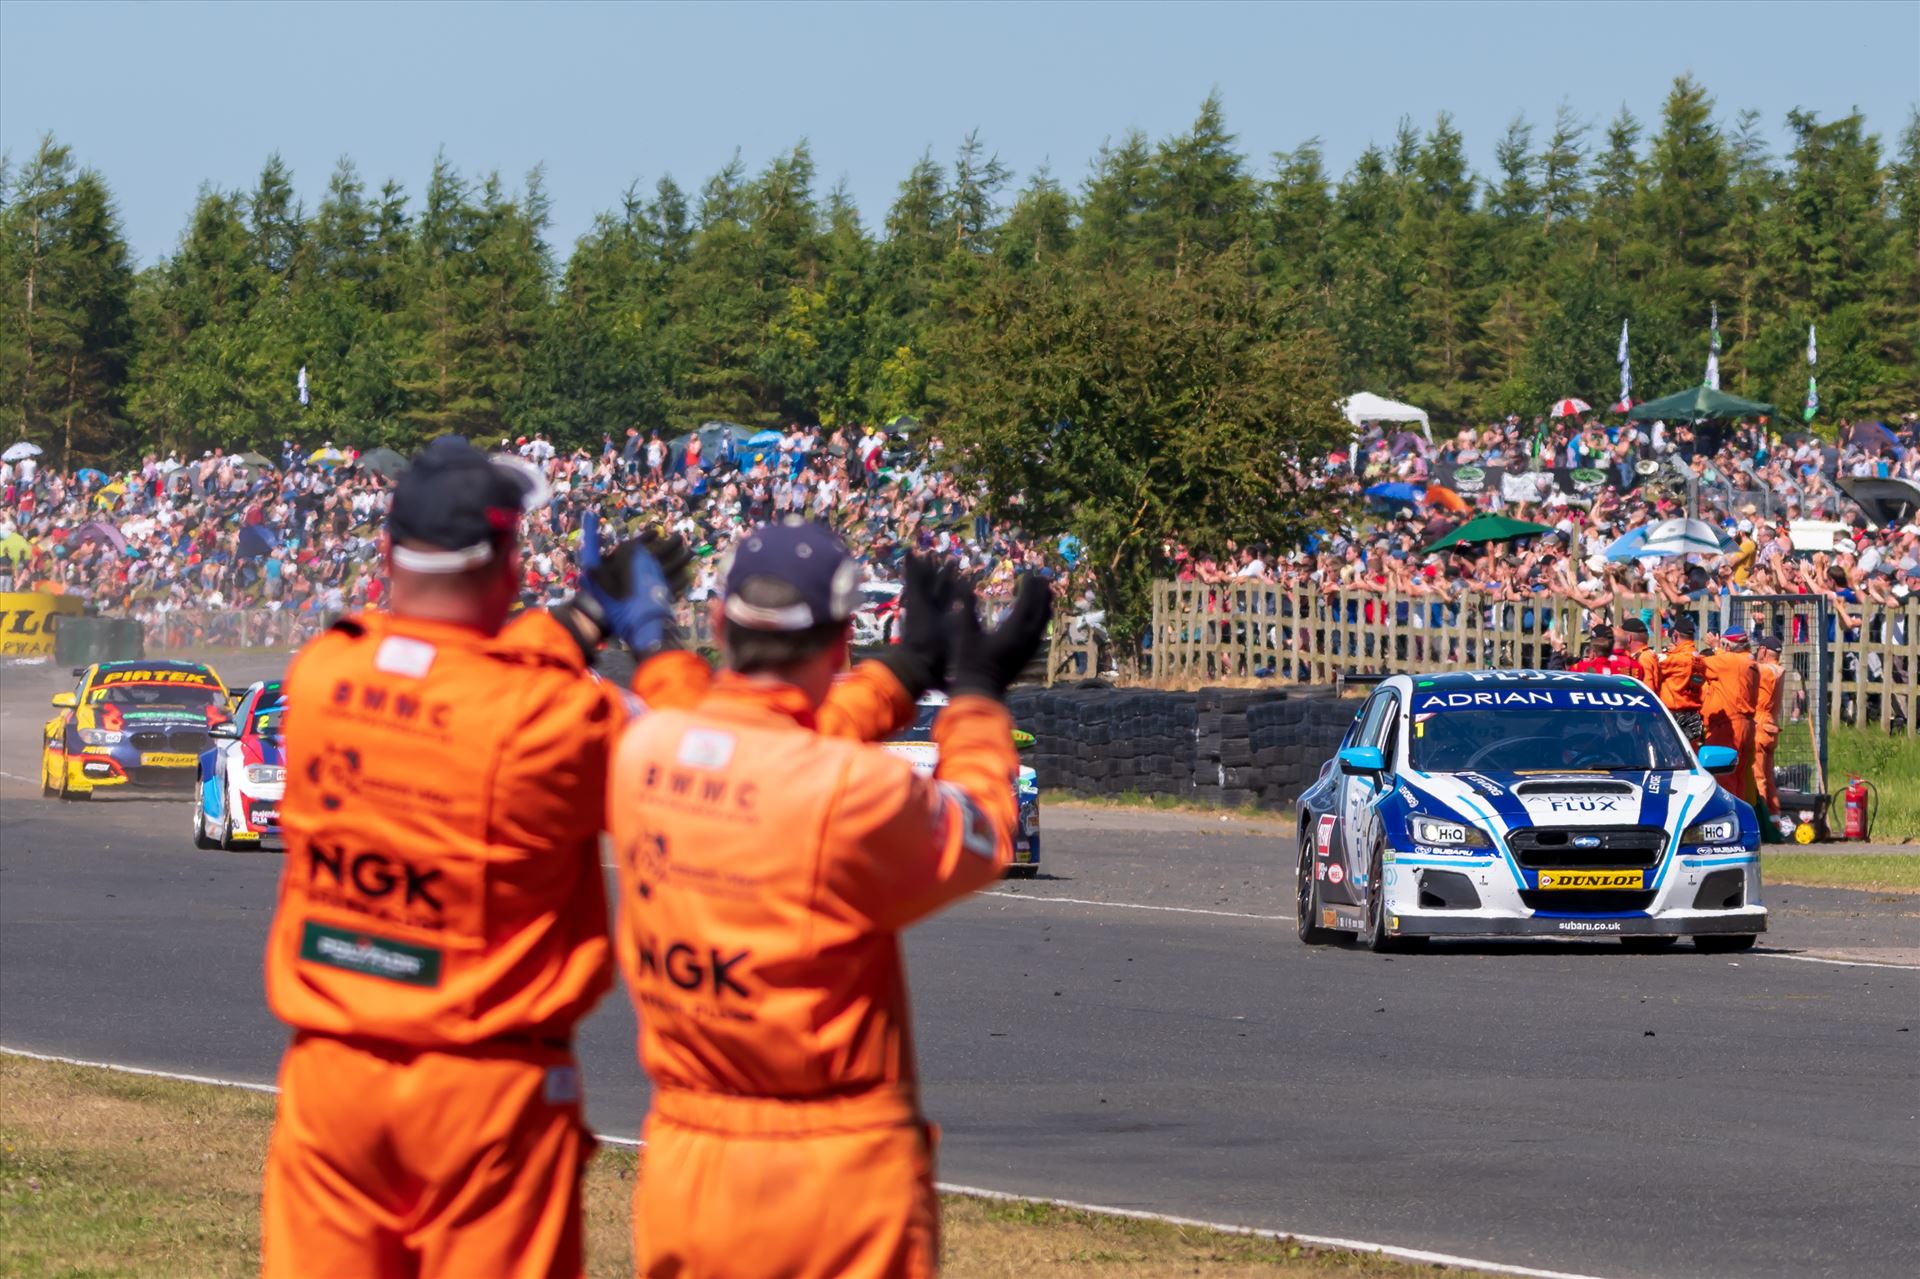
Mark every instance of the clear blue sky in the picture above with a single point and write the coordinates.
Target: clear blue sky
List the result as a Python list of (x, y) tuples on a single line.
[(163, 97)]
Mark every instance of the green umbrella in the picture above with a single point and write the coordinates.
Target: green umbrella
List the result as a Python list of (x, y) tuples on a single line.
[(383, 461), (1696, 403), (1489, 528)]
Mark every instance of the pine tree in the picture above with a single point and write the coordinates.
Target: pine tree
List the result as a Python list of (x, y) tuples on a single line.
[(64, 344), (1114, 203), (1200, 197)]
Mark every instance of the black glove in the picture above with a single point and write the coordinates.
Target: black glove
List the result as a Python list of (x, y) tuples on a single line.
[(985, 663), (675, 558), (919, 660)]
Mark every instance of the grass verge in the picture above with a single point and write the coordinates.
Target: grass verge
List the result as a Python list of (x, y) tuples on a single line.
[(1876, 872), (1892, 764), (104, 1174)]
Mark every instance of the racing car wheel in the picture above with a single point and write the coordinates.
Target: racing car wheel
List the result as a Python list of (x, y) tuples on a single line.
[(1304, 904), (1377, 938)]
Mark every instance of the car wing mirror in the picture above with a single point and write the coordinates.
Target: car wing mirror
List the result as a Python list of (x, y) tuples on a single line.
[(1718, 759), (1362, 761), (66, 700), (229, 731), (1022, 740)]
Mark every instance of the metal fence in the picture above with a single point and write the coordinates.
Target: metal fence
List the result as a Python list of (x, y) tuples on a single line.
[(187, 629)]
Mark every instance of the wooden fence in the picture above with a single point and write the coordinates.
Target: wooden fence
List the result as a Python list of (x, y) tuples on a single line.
[(1224, 633)]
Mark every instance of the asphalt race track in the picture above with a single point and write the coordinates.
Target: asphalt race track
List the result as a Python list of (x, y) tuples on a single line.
[(1140, 1029)]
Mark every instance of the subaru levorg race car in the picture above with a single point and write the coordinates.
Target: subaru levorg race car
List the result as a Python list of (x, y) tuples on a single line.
[(137, 723), (1525, 803), (242, 773), (917, 745)]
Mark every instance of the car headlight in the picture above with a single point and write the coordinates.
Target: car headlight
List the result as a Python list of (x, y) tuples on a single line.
[(1431, 830), (102, 736), (265, 774), (1721, 831)]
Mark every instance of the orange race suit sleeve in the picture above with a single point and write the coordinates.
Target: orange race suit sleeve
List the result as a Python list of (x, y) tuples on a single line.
[(900, 854), (869, 705), (445, 794)]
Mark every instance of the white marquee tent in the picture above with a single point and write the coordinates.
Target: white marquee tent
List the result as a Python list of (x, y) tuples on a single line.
[(1368, 407)]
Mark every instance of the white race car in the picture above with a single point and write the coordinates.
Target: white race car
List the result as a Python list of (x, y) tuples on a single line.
[(1525, 803), (916, 744), (242, 773)]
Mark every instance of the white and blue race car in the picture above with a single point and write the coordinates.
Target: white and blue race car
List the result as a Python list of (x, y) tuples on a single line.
[(243, 773), (1525, 803), (916, 744)]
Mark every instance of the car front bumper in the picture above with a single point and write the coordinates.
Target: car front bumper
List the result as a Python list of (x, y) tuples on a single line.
[(95, 769), (1457, 923)]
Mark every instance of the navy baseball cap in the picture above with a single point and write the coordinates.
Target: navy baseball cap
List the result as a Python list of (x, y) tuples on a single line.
[(808, 559), (456, 506)]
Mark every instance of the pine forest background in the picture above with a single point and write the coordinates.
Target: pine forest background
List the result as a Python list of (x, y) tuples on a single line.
[(1181, 266)]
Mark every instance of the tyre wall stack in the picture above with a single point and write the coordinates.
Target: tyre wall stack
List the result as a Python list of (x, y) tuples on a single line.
[(1231, 747)]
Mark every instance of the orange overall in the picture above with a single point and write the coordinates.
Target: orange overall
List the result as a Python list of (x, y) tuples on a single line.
[(766, 870), (1728, 707), (1683, 678), (1646, 667), (1766, 734), (441, 929)]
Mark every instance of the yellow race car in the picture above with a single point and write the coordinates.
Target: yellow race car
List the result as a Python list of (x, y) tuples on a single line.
[(140, 723)]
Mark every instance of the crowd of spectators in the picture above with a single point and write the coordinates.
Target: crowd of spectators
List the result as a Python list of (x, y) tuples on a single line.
[(1777, 501), (300, 533)]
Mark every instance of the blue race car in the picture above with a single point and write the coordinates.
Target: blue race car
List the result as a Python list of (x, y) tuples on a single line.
[(1525, 803), (917, 745)]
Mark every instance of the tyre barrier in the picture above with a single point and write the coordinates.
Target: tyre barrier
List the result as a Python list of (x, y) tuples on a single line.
[(1231, 747), (82, 641)]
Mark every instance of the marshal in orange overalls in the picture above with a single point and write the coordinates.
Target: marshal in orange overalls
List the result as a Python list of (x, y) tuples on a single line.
[(1683, 678), (766, 870), (1728, 706), (442, 927), (1766, 733)]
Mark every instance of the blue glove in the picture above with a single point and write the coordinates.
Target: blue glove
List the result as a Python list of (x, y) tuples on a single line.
[(625, 593)]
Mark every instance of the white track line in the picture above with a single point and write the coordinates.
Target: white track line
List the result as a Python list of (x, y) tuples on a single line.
[(141, 1070), (1085, 901), (1316, 1241), (1841, 963)]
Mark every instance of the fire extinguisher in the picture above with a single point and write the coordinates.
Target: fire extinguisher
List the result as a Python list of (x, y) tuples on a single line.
[(1858, 822)]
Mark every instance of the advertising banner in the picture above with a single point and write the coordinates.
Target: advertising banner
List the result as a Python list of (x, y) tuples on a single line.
[(28, 620)]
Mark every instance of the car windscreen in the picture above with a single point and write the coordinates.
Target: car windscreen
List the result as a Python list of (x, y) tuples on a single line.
[(921, 730), (267, 723), (157, 697), (1546, 736)]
